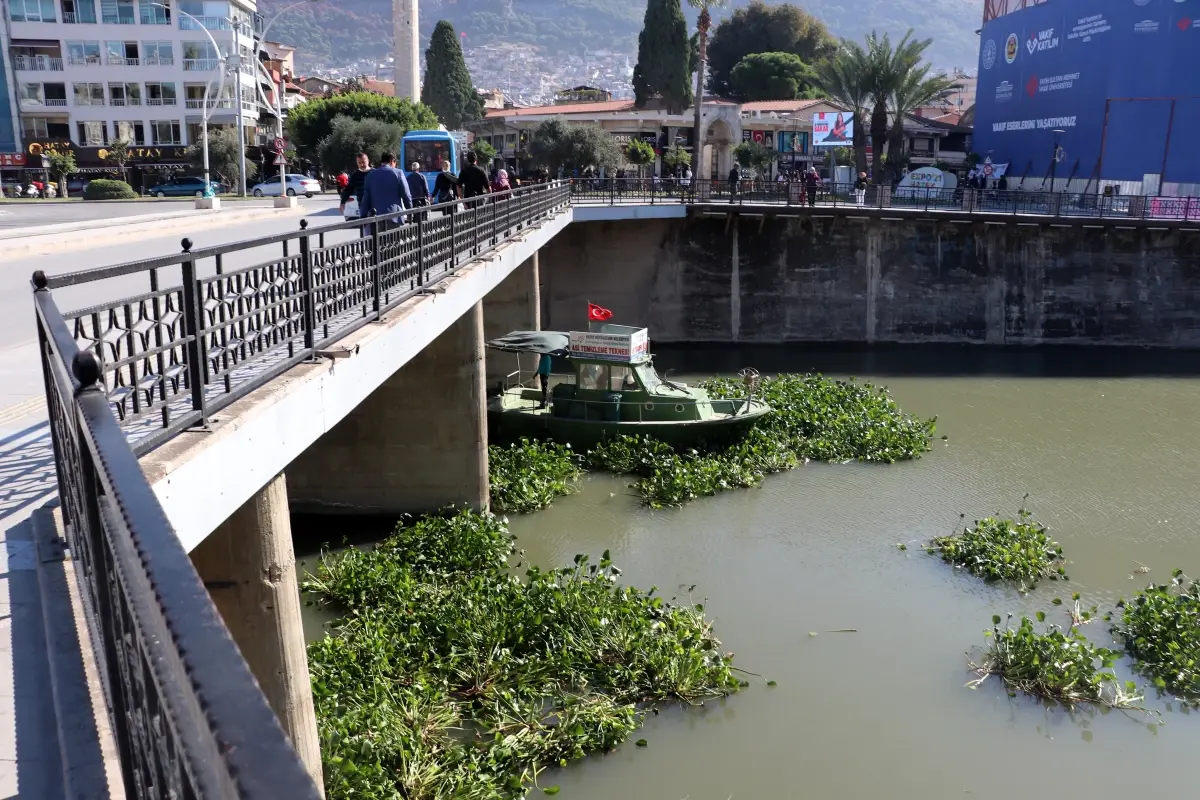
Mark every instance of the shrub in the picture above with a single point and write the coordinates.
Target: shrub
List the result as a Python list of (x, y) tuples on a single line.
[(104, 189)]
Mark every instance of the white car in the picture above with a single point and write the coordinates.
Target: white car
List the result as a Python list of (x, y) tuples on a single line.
[(296, 184)]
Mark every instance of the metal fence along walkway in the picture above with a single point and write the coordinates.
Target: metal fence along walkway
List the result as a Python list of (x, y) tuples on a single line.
[(124, 376)]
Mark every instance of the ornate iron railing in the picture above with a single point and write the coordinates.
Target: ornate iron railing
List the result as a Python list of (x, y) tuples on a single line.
[(125, 375)]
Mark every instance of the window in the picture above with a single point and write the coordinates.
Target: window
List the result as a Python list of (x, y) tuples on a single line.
[(157, 54), (166, 131), (117, 12), (132, 132), (75, 11), (35, 128), (89, 94), (195, 132), (155, 14), (160, 94), (92, 134), (83, 52), (32, 94), (429, 153), (122, 53), (125, 94), (32, 11)]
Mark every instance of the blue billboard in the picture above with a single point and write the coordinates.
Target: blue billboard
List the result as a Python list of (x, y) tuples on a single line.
[(1119, 78)]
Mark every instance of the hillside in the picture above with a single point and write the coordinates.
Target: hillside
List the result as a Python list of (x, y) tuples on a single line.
[(342, 31)]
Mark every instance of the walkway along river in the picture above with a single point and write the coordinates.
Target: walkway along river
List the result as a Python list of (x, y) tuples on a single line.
[(1108, 446)]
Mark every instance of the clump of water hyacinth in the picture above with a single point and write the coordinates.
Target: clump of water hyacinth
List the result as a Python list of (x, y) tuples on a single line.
[(529, 475), (1018, 550), (1160, 628), (1055, 664), (445, 676)]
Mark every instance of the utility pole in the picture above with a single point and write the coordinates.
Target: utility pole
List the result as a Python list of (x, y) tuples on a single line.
[(236, 62)]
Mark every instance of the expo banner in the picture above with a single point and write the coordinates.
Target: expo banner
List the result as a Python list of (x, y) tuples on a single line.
[(832, 129)]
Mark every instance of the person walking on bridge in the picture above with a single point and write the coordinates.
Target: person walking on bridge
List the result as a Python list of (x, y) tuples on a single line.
[(418, 187), (385, 190), (354, 185)]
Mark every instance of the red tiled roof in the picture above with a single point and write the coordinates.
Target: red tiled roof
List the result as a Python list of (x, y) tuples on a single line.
[(608, 107), (781, 106), (385, 88)]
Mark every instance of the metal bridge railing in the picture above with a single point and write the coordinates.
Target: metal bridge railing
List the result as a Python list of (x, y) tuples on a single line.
[(125, 375)]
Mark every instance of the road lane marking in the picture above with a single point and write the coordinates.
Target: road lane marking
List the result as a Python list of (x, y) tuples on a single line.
[(15, 412)]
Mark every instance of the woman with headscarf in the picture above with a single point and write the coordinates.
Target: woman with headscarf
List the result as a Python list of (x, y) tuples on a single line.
[(500, 182)]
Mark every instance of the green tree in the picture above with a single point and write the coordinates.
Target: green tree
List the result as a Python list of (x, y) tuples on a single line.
[(61, 165), (561, 145), (846, 80), (483, 150), (309, 123), (663, 55), (703, 24), (916, 88), (771, 76), (223, 157), (350, 137), (447, 88), (755, 156), (639, 153), (676, 158), (760, 28), (118, 154)]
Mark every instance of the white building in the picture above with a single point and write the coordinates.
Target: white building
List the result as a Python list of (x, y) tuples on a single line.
[(88, 72)]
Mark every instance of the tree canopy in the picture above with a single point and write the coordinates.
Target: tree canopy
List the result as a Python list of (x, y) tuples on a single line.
[(771, 76), (755, 156), (222, 156), (447, 88), (558, 144), (350, 137), (664, 55), (760, 28), (309, 123)]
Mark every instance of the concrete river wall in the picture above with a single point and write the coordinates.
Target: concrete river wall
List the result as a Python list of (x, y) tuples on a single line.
[(773, 280)]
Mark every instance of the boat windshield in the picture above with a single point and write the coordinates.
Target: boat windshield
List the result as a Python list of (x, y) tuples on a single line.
[(648, 376), (612, 378)]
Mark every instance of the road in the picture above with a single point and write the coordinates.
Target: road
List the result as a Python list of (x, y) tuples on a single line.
[(20, 373), (35, 213)]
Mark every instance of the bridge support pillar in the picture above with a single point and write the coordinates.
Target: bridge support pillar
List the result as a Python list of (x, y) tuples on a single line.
[(250, 571), (514, 305), (418, 443)]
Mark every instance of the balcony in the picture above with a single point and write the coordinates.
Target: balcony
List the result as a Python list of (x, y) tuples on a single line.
[(118, 61), (81, 61), (70, 18), (160, 101), (83, 101), (211, 23), (154, 16), (38, 63), (193, 102), (159, 61), (125, 101), (199, 64), (120, 18)]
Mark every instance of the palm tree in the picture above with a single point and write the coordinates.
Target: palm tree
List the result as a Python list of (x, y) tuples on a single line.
[(845, 79), (916, 89), (702, 26)]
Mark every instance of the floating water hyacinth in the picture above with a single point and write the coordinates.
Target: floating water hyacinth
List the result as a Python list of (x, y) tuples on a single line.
[(1160, 628), (996, 549)]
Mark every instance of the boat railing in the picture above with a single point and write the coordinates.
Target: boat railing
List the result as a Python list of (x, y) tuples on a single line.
[(617, 410)]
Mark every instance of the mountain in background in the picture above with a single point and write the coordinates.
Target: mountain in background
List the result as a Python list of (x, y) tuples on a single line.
[(340, 32)]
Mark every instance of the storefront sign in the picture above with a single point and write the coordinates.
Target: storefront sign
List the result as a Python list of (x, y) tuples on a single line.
[(12, 159), (624, 139), (626, 348), (46, 147)]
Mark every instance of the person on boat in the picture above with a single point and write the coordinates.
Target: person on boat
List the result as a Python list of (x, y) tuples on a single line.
[(543, 373)]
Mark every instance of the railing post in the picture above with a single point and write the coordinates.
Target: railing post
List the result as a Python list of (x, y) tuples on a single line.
[(193, 325), (377, 271), (612, 191), (420, 251), (308, 284)]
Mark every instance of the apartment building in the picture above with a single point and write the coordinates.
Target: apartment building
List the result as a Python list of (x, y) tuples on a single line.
[(88, 72)]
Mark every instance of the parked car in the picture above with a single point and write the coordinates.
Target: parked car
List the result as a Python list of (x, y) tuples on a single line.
[(187, 186), (296, 184), (76, 185)]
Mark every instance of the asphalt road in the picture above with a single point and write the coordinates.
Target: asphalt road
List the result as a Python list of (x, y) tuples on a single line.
[(20, 375), (33, 213)]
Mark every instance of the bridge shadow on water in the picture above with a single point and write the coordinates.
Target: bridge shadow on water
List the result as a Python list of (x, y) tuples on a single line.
[(930, 360)]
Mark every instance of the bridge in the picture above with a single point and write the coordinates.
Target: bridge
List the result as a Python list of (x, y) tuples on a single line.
[(197, 398)]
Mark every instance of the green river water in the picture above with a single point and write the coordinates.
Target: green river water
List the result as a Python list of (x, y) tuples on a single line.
[(1107, 444)]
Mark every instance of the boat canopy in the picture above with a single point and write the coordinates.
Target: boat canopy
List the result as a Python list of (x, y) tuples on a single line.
[(553, 343)]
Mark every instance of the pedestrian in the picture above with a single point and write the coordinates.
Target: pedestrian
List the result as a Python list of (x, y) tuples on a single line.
[(735, 178), (341, 181), (354, 186), (385, 190), (811, 182), (473, 180), (1002, 184), (860, 189), (418, 187), (500, 181), (543, 373), (445, 189)]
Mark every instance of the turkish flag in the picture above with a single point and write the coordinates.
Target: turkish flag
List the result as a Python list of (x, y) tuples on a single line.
[(598, 314)]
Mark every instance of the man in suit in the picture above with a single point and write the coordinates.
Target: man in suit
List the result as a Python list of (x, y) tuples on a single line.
[(385, 190)]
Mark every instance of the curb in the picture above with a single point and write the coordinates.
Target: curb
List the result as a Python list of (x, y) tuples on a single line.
[(90, 766), (107, 230)]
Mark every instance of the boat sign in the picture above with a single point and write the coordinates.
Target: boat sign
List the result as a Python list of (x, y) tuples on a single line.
[(625, 347)]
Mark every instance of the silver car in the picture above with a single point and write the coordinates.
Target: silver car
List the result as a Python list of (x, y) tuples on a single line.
[(296, 184)]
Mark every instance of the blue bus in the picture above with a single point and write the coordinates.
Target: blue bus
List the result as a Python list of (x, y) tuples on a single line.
[(430, 149)]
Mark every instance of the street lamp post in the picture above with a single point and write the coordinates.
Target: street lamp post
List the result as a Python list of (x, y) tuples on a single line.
[(235, 62), (1054, 159)]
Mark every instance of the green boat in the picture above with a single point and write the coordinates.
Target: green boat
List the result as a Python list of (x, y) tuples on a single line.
[(612, 388)]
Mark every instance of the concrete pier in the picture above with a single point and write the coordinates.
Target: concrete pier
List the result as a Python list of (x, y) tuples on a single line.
[(248, 566), (418, 443), (514, 305)]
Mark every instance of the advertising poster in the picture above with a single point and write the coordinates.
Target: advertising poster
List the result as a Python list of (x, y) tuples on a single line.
[(833, 129)]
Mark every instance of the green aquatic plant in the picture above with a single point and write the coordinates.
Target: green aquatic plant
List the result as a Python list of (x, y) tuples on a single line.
[(1160, 628), (1056, 664), (812, 417), (529, 475), (445, 676), (998, 549)]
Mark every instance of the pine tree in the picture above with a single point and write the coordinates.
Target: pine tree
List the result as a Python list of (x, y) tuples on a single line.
[(447, 88), (664, 52)]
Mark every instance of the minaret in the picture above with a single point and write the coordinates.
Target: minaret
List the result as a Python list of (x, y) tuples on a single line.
[(408, 44)]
